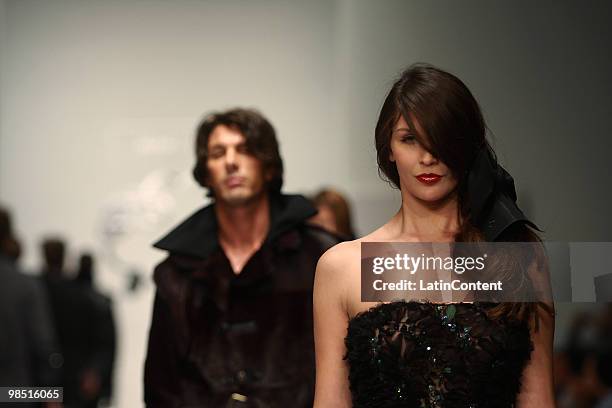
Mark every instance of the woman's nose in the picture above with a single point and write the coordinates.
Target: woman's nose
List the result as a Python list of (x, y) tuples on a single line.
[(428, 159)]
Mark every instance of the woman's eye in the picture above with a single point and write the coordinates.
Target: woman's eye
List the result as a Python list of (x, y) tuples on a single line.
[(408, 138)]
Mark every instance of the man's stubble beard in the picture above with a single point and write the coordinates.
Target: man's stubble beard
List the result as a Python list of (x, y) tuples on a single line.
[(241, 200)]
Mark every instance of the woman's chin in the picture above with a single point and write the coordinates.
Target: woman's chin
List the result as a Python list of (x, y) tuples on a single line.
[(434, 198)]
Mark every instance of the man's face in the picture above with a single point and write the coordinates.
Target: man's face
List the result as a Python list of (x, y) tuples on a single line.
[(234, 175)]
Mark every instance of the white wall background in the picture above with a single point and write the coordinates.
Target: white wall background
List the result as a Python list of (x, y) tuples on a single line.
[(99, 101)]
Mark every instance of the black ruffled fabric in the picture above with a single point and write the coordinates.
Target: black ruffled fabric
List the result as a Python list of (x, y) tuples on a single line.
[(410, 354)]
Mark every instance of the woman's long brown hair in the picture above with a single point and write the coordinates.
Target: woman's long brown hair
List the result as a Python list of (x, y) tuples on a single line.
[(454, 131)]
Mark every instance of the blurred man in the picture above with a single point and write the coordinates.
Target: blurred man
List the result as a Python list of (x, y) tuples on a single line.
[(28, 351), (232, 319), (76, 318), (97, 378)]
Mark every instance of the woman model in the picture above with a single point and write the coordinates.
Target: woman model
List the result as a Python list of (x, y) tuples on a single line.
[(431, 144)]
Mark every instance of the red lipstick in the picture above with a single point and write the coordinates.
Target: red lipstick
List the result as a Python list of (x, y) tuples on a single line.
[(429, 178)]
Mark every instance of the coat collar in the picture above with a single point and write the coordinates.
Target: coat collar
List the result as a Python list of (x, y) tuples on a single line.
[(197, 235)]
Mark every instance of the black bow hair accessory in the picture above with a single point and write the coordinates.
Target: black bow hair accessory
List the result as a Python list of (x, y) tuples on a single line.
[(491, 196)]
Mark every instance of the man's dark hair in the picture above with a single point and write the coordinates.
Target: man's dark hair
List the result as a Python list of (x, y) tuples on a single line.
[(9, 246), (260, 141), (85, 272), (5, 223), (54, 250)]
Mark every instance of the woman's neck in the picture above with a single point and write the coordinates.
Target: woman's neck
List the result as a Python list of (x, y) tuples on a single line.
[(424, 221)]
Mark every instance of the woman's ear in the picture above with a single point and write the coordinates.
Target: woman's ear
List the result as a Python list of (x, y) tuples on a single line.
[(268, 175), (391, 158)]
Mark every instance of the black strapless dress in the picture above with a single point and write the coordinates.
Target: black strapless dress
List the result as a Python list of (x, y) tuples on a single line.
[(410, 354)]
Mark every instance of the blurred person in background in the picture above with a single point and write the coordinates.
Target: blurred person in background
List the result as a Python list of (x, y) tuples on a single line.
[(334, 213), (570, 364), (583, 366), (603, 359), (600, 372), (9, 246), (105, 337), (77, 324), (590, 351), (232, 318), (28, 350)]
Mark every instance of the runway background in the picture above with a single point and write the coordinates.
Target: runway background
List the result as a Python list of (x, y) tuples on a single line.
[(99, 101)]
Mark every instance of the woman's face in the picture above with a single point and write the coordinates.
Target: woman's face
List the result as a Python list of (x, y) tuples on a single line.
[(422, 176)]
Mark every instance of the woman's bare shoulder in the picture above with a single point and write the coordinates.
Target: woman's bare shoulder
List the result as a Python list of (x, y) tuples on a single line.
[(345, 257), (350, 248), (337, 256)]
